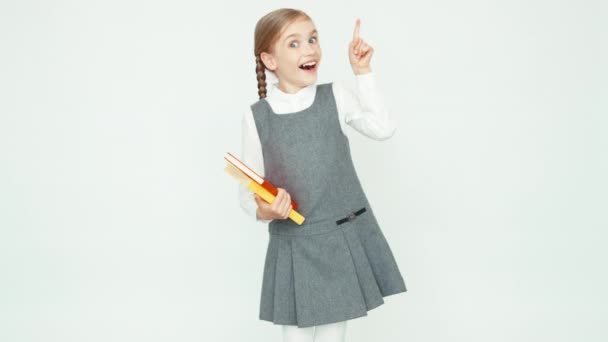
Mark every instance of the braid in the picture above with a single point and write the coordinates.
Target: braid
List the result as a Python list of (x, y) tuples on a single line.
[(261, 75)]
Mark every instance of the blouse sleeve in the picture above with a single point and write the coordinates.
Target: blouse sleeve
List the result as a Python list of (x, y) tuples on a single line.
[(251, 155), (363, 108)]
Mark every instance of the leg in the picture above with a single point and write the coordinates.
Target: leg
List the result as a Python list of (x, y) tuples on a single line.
[(333, 332), (291, 333)]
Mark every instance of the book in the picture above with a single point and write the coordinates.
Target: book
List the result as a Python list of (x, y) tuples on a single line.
[(256, 177), (260, 190)]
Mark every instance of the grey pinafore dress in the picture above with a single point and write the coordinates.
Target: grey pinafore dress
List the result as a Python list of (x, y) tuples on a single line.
[(337, 265)]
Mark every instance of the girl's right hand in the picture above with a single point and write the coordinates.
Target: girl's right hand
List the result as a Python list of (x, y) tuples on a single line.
[(359, 53), (278, 209)]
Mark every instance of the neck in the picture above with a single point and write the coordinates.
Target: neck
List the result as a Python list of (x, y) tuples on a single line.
[(289, 88)]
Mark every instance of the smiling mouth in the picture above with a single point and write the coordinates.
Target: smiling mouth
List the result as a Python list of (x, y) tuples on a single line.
[(308, 65)]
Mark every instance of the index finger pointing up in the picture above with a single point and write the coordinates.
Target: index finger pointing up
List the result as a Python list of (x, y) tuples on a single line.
[(356, 33)]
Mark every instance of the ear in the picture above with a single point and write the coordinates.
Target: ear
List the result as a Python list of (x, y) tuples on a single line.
[(269, 61)]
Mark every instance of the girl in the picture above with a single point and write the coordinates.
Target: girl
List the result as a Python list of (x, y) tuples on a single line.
[(337, 265)]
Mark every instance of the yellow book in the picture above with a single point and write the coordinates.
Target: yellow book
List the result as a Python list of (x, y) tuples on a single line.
[(258, 189)]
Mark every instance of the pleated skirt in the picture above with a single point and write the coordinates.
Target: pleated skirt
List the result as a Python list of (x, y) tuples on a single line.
[(336, 274)]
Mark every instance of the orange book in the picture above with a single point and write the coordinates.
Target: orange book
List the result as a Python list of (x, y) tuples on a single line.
[(255, 177), (258, 189)]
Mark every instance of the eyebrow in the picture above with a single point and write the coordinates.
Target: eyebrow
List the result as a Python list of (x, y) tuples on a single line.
[(297, 34)]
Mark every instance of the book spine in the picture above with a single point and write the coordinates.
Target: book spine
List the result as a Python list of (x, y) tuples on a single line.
[(273, 190), (269, 197)]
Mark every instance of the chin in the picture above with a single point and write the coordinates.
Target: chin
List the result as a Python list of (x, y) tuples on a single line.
[(310, 80)]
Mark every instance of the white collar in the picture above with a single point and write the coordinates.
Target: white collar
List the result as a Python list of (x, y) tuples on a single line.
[(306, 92)]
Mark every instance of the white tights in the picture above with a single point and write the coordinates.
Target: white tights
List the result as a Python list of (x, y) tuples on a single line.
[(332, 332)]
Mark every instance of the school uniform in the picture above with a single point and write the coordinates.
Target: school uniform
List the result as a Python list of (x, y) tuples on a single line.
[(337, 265)]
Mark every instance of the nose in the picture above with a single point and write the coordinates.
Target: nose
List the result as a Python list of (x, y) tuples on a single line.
[(308, 47)]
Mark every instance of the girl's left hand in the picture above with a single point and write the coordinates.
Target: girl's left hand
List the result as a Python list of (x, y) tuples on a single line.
[(359, 53)]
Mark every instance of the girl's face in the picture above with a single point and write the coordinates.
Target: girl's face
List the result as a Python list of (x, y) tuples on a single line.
[(296, 56)]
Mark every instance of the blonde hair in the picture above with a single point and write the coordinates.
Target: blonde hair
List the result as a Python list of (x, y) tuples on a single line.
[(267, 31)]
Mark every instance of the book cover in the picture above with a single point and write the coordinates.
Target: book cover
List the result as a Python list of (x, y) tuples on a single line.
[(254, 176), (260, 190)]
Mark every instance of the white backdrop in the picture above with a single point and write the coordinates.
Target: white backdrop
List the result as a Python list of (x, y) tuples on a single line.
[(117, 222)]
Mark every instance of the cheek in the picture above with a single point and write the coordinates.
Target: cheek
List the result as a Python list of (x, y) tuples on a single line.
[(293, 60)]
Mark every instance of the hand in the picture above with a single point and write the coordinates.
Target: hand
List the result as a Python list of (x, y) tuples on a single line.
[(278, 209), (359, 52)]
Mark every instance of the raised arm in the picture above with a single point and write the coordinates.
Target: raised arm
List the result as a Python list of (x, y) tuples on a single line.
[(363, 108)]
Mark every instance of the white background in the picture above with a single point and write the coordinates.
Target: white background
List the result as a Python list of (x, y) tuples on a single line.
[(117, 222)]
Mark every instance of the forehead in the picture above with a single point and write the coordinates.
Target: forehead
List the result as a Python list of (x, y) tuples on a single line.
[(302, 26)]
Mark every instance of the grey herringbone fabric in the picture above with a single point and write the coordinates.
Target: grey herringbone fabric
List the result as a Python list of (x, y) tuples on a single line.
[(320, 272)]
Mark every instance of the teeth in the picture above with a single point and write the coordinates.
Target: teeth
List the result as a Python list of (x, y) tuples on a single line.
[(309, 64)]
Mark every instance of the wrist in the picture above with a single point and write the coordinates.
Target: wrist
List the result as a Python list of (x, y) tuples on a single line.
[(362, 71), (258, 215)]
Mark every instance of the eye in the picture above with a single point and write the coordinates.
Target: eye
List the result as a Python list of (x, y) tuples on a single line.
[(292, 44), (313, 39)]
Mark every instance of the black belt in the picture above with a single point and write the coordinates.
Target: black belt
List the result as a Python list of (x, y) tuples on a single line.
[(351, 216)]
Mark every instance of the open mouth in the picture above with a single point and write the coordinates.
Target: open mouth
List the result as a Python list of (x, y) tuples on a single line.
[(309, 66)]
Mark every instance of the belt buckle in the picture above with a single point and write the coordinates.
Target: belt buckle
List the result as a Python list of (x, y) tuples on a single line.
[(351, 217)]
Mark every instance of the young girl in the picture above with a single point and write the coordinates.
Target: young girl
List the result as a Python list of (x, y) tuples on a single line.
[(337, 265)]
